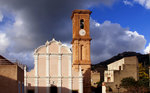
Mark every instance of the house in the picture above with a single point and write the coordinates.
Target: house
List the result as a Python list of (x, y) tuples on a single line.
[(125, 67), (11, 77)]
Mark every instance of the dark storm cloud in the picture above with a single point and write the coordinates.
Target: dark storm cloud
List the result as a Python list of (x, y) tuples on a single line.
[(45, 18), (36, 21)]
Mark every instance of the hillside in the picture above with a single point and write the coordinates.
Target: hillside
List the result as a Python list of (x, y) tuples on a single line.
[(101, 66), (142, 58)]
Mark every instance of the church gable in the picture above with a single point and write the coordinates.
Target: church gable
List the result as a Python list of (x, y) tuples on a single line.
[(53, 47), (41, 49)]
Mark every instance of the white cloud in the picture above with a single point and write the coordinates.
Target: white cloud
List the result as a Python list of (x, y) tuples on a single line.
[(147, 49), (109, 39), (145, 3), (19, 33), (17, 40), (34, 24), (31, 25), (126, 2), (1, 16), (4, 42)]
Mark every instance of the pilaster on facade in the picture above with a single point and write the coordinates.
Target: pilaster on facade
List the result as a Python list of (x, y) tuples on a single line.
[(70, 85), (47, 66), (25, 79), (36, 65), (80, 80), (59, 65), (59, 85), (36, 85), (48, 85), (36, 73), (70, 73), (47, 69), (47, 62), (59, 74)]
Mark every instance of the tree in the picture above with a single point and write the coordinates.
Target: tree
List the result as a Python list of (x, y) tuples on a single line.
[(143, 82), (129, 83), (139, 86), (143, 72), (133, 86)]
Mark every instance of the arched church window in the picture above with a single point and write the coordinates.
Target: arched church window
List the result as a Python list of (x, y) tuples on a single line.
[(82, 24)]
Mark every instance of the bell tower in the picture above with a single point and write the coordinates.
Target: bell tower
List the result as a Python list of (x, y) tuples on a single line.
[(81, 45)]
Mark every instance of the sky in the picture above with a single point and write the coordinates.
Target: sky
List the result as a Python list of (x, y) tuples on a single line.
[(115, 26)]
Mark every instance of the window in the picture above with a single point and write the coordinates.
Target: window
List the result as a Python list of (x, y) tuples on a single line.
[(119, 67), (108, 79)]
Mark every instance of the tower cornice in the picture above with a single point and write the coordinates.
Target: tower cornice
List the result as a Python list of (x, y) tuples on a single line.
[(79, 11)]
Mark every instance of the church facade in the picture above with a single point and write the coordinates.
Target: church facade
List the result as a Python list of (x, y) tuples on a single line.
[(57, 69)]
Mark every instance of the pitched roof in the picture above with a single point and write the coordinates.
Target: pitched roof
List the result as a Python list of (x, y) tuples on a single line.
[(4, 61)]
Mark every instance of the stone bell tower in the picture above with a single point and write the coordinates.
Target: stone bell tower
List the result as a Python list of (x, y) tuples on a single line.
[(81, 45)]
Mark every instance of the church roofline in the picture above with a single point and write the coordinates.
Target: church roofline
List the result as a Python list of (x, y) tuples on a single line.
[(49, 42)]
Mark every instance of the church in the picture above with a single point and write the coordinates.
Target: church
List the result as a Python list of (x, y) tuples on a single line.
[(57, 69)]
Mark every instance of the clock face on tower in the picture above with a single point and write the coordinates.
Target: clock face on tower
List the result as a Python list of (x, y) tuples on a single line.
[(82, 32)]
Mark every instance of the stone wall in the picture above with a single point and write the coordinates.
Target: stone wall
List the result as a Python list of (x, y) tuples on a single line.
[(11, 79)]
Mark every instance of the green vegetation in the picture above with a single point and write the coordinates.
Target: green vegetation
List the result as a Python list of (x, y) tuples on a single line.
[(143, 72), (139, 86)]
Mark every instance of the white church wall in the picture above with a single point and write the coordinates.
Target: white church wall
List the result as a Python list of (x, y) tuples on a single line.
[(53, 67)]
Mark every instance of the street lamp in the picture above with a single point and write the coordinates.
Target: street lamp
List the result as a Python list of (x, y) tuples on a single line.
[(118, 87)]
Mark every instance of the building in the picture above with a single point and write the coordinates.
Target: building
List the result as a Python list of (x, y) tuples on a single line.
[(95, 78), (11, 77), (57, 69), (81, 45), (98, 71), (125, 67)]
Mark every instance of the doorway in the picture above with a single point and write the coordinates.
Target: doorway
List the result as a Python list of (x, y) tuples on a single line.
[(30, 91), (53, 89)]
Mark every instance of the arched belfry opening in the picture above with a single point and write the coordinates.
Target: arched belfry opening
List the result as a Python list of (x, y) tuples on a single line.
[(81, 24)]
